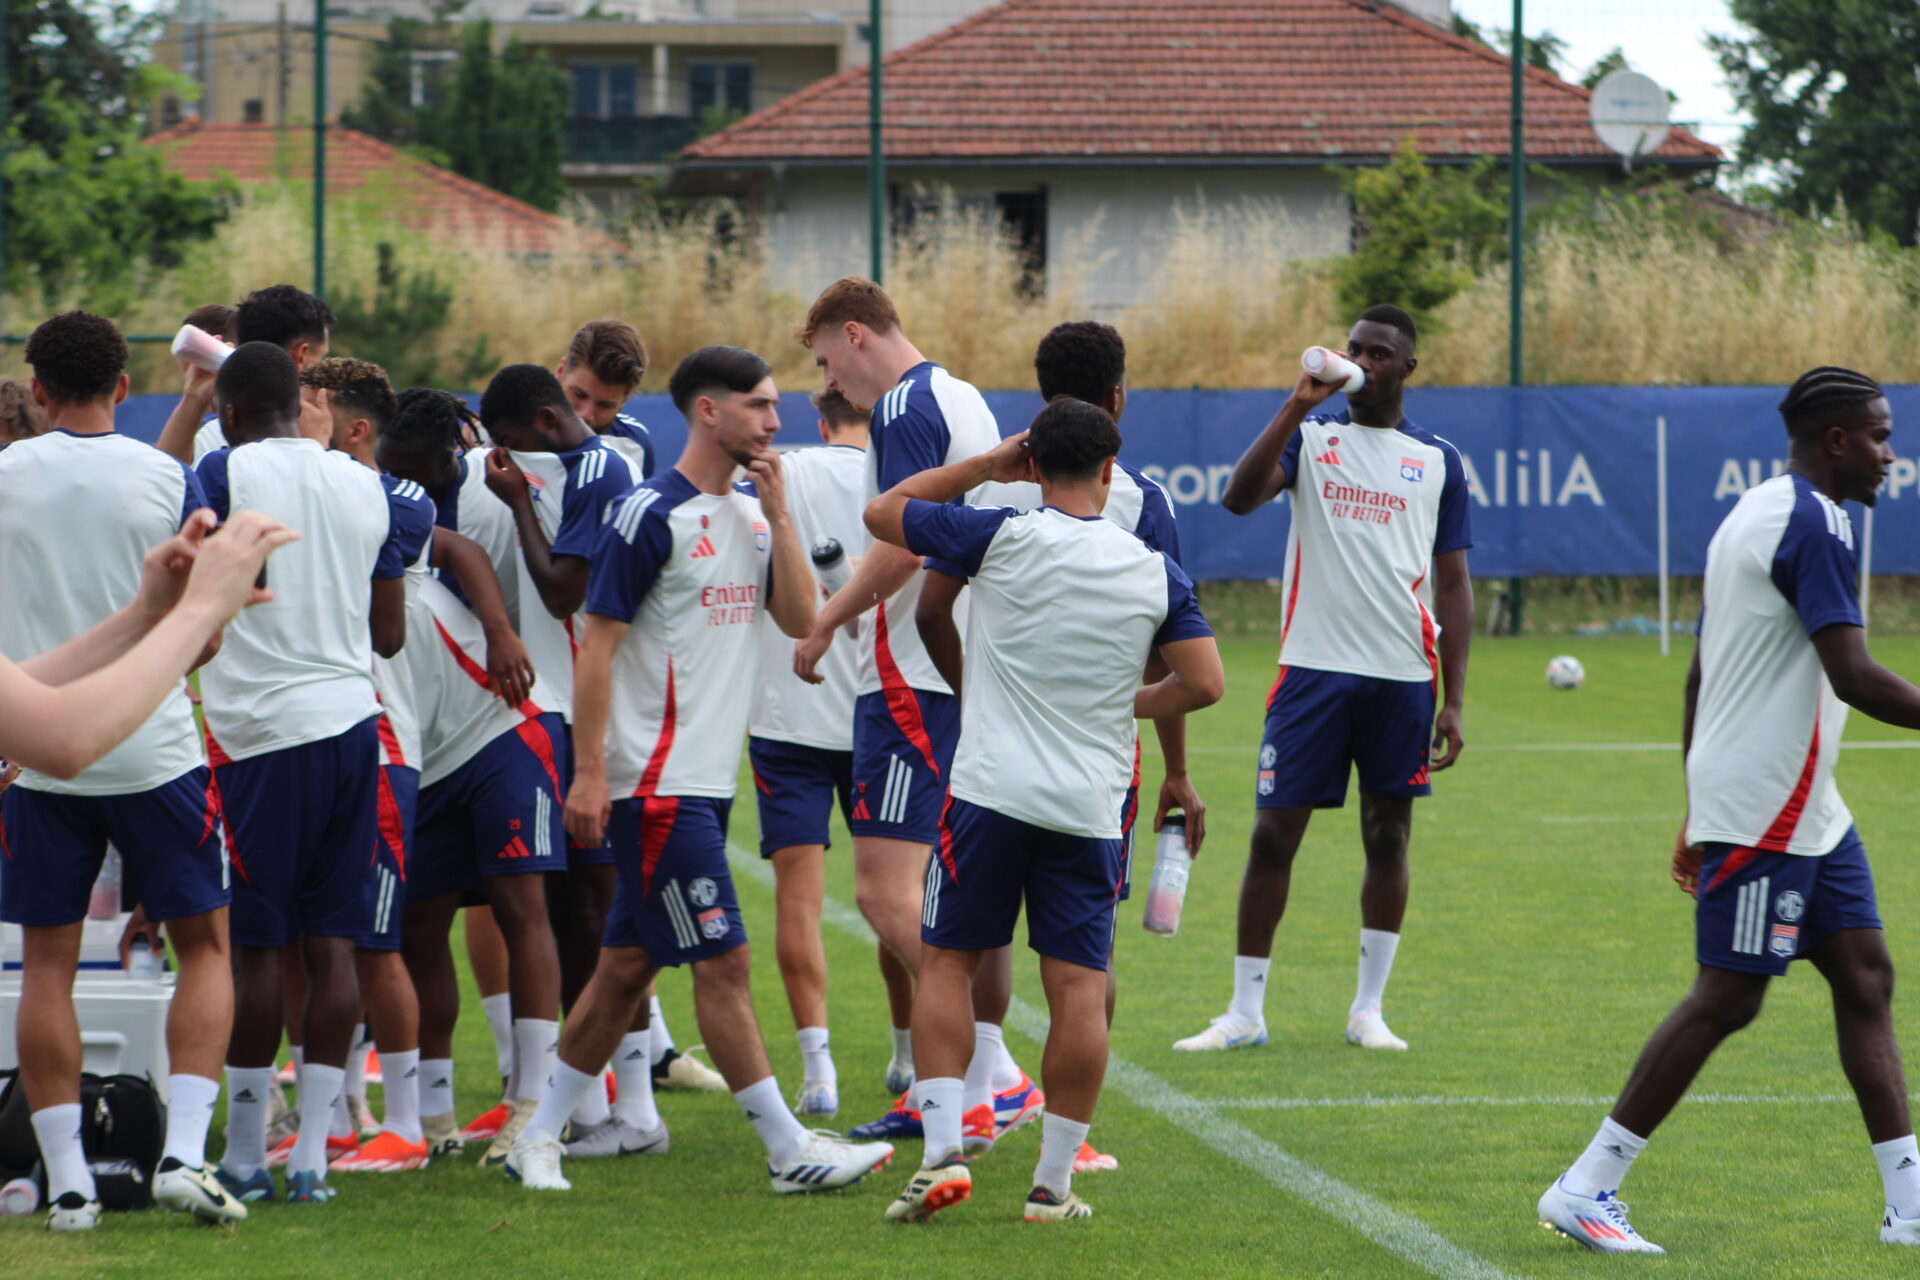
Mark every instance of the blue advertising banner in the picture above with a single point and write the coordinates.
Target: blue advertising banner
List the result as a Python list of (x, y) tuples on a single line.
[(1563, 479)]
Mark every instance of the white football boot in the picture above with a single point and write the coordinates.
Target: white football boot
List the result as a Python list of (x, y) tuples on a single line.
[(1228, 1031), (1598, 1222)]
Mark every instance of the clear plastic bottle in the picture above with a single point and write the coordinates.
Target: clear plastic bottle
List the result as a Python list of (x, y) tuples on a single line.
[(1167, 890), (143, 963), (830, 564), (19, 1198), (105, 902), (1324, 365)]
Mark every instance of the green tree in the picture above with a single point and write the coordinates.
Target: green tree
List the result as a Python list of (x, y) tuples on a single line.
[(1835, 102), (401, 316), (1424, 233), (1546, 51)]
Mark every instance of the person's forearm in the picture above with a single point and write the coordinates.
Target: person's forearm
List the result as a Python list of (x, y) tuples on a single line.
[(794, 586), (885, 515), (882, 572), (1690, 705), (1172, 732), (592, 694), (91, 649), (472, 568), (1255, 477), (1454, 611), (183, 424), (1168, 699)]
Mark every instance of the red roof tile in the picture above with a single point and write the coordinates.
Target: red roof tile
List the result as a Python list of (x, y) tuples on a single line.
[(425, 196), (1116, 80)]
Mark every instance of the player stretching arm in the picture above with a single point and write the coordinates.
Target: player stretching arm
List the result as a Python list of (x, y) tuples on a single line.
[(1769, 849)]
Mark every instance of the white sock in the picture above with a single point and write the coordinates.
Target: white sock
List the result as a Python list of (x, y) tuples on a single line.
[(1006, 1072), (633, 1081), (321, 1087), (190, 1102), (1060, 1140), (780, 1133), (499, 1011), (660, 1040), (247, 1090), (340, 1120), (58, 1129), (1900, 1173), (400, 1089), (436, 1087), (940, 1116), (1249, 988), (594, 1106), (564, 1089), (816, 1057), (1376, 963), (1603, 1165), (536, 1044), (903, 1046), (977, 1085)]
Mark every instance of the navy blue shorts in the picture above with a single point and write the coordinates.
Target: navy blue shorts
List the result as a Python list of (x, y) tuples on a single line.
[(1757, 912), (796, 786), (496, 815), (578, 855), (674, 896), (903, 742), (300, 830), (986, 862), (398, 807), (51, 848), (1321, 724)]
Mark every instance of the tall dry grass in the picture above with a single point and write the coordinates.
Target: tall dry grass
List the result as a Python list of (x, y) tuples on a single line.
[(1639, 299)]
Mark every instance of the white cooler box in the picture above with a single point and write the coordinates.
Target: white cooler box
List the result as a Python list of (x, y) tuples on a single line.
[(99, 946), (123, 1025)]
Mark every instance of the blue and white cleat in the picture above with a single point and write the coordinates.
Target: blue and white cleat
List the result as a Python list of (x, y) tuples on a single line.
[(1018, 1106), (818, 1098), (899, 1076), (901, 1122), (308, 1188), (1895, 1229), (1228, 1031), (257, 1189), (1598, 1222), (827, 1163)]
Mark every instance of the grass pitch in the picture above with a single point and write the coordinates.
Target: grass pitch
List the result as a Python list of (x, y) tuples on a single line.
[(1543, 944)]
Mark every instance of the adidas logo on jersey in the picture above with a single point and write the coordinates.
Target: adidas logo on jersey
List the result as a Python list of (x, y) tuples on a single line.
[(704, 547), (1331, 458)]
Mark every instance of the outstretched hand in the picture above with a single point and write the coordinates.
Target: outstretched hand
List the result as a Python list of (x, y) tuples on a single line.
[(166, 568), (229, 564)]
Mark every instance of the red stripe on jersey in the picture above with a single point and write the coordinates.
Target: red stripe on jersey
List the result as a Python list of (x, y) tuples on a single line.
[(1780, 834), (902, 704), (1293, 593), (475, 671), (1274, 692), (393, 826), (540, 742), (216, 754), (662, 745), (1736, 859), (1428, 637), (390, 742), (657, 816), (1136, 760), (946, 841)]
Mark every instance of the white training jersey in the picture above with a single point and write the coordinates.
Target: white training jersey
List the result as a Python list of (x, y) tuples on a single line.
[(629, 437), (929, 419), (1135, 501), (299, 668), (572, 492), (1767, 726), (78, 514), (392, 680), (826, 491), (1372, 507), (690, 571), (447, 655), (1066, 611), (207, 439), (470, 509)]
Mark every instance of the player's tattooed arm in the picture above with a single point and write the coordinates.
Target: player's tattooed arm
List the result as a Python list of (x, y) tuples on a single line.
[(934, 618), (509, 669), (1453, 609), (1258, 477)]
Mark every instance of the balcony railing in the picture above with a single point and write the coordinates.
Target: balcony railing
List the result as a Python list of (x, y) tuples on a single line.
[(629, 140)]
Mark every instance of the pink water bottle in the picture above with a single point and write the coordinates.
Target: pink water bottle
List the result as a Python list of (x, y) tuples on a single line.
[(1167, 890), (1323, 365), (194, 345)]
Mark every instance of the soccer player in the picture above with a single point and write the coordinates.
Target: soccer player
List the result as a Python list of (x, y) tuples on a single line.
[(801, 740), (681, 571), (288, 317), (906, 717), (1769, 850), (81, 508), (292, 734), (1380, 528), (1034, 804), (20, 416), (602, 368)]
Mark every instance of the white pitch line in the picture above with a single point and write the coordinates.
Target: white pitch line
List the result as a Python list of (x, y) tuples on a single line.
[(1386, 1226), (1605, 819), (1388, 1101)]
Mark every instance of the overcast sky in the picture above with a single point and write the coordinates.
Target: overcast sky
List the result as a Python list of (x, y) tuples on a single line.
[(1662, 38)]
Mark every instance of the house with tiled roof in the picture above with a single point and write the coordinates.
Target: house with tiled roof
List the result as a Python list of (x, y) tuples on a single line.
[(1094, 122), (421, 196)]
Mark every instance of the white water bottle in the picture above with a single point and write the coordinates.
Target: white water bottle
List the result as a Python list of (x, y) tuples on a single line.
[(1323, 365), (1167, 890), (19, 1198), (143, 963), (194, 345), (830, 564)]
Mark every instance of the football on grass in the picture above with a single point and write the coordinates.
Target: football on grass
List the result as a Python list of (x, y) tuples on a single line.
[(1565, 672)]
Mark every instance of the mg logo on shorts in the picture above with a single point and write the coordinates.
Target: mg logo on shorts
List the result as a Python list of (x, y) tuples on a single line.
[(1267, 756), (704, 893), (1790, 906)]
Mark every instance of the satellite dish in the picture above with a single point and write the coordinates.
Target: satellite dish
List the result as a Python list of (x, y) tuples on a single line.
[(1629, 113)]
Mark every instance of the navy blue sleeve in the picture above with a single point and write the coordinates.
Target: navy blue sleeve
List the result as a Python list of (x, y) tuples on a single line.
[(212, 473), (195, 496), (1156, 527), (593, 486), (409, 526), (1290, 461), (629, 551), (915, 440), (1815, 567), (1454, 531), (1184, 620), (955, 535)]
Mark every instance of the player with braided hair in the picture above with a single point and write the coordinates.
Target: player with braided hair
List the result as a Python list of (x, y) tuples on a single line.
[(1769, 850)]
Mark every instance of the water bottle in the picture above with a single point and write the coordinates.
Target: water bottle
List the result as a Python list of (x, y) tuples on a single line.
[(830, 564), (143, 963), (1323, 365), (1167, 890), (19, 1198), (105, 902)]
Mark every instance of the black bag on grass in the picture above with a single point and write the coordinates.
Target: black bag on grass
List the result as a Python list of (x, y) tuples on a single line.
[(123, 1128)]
